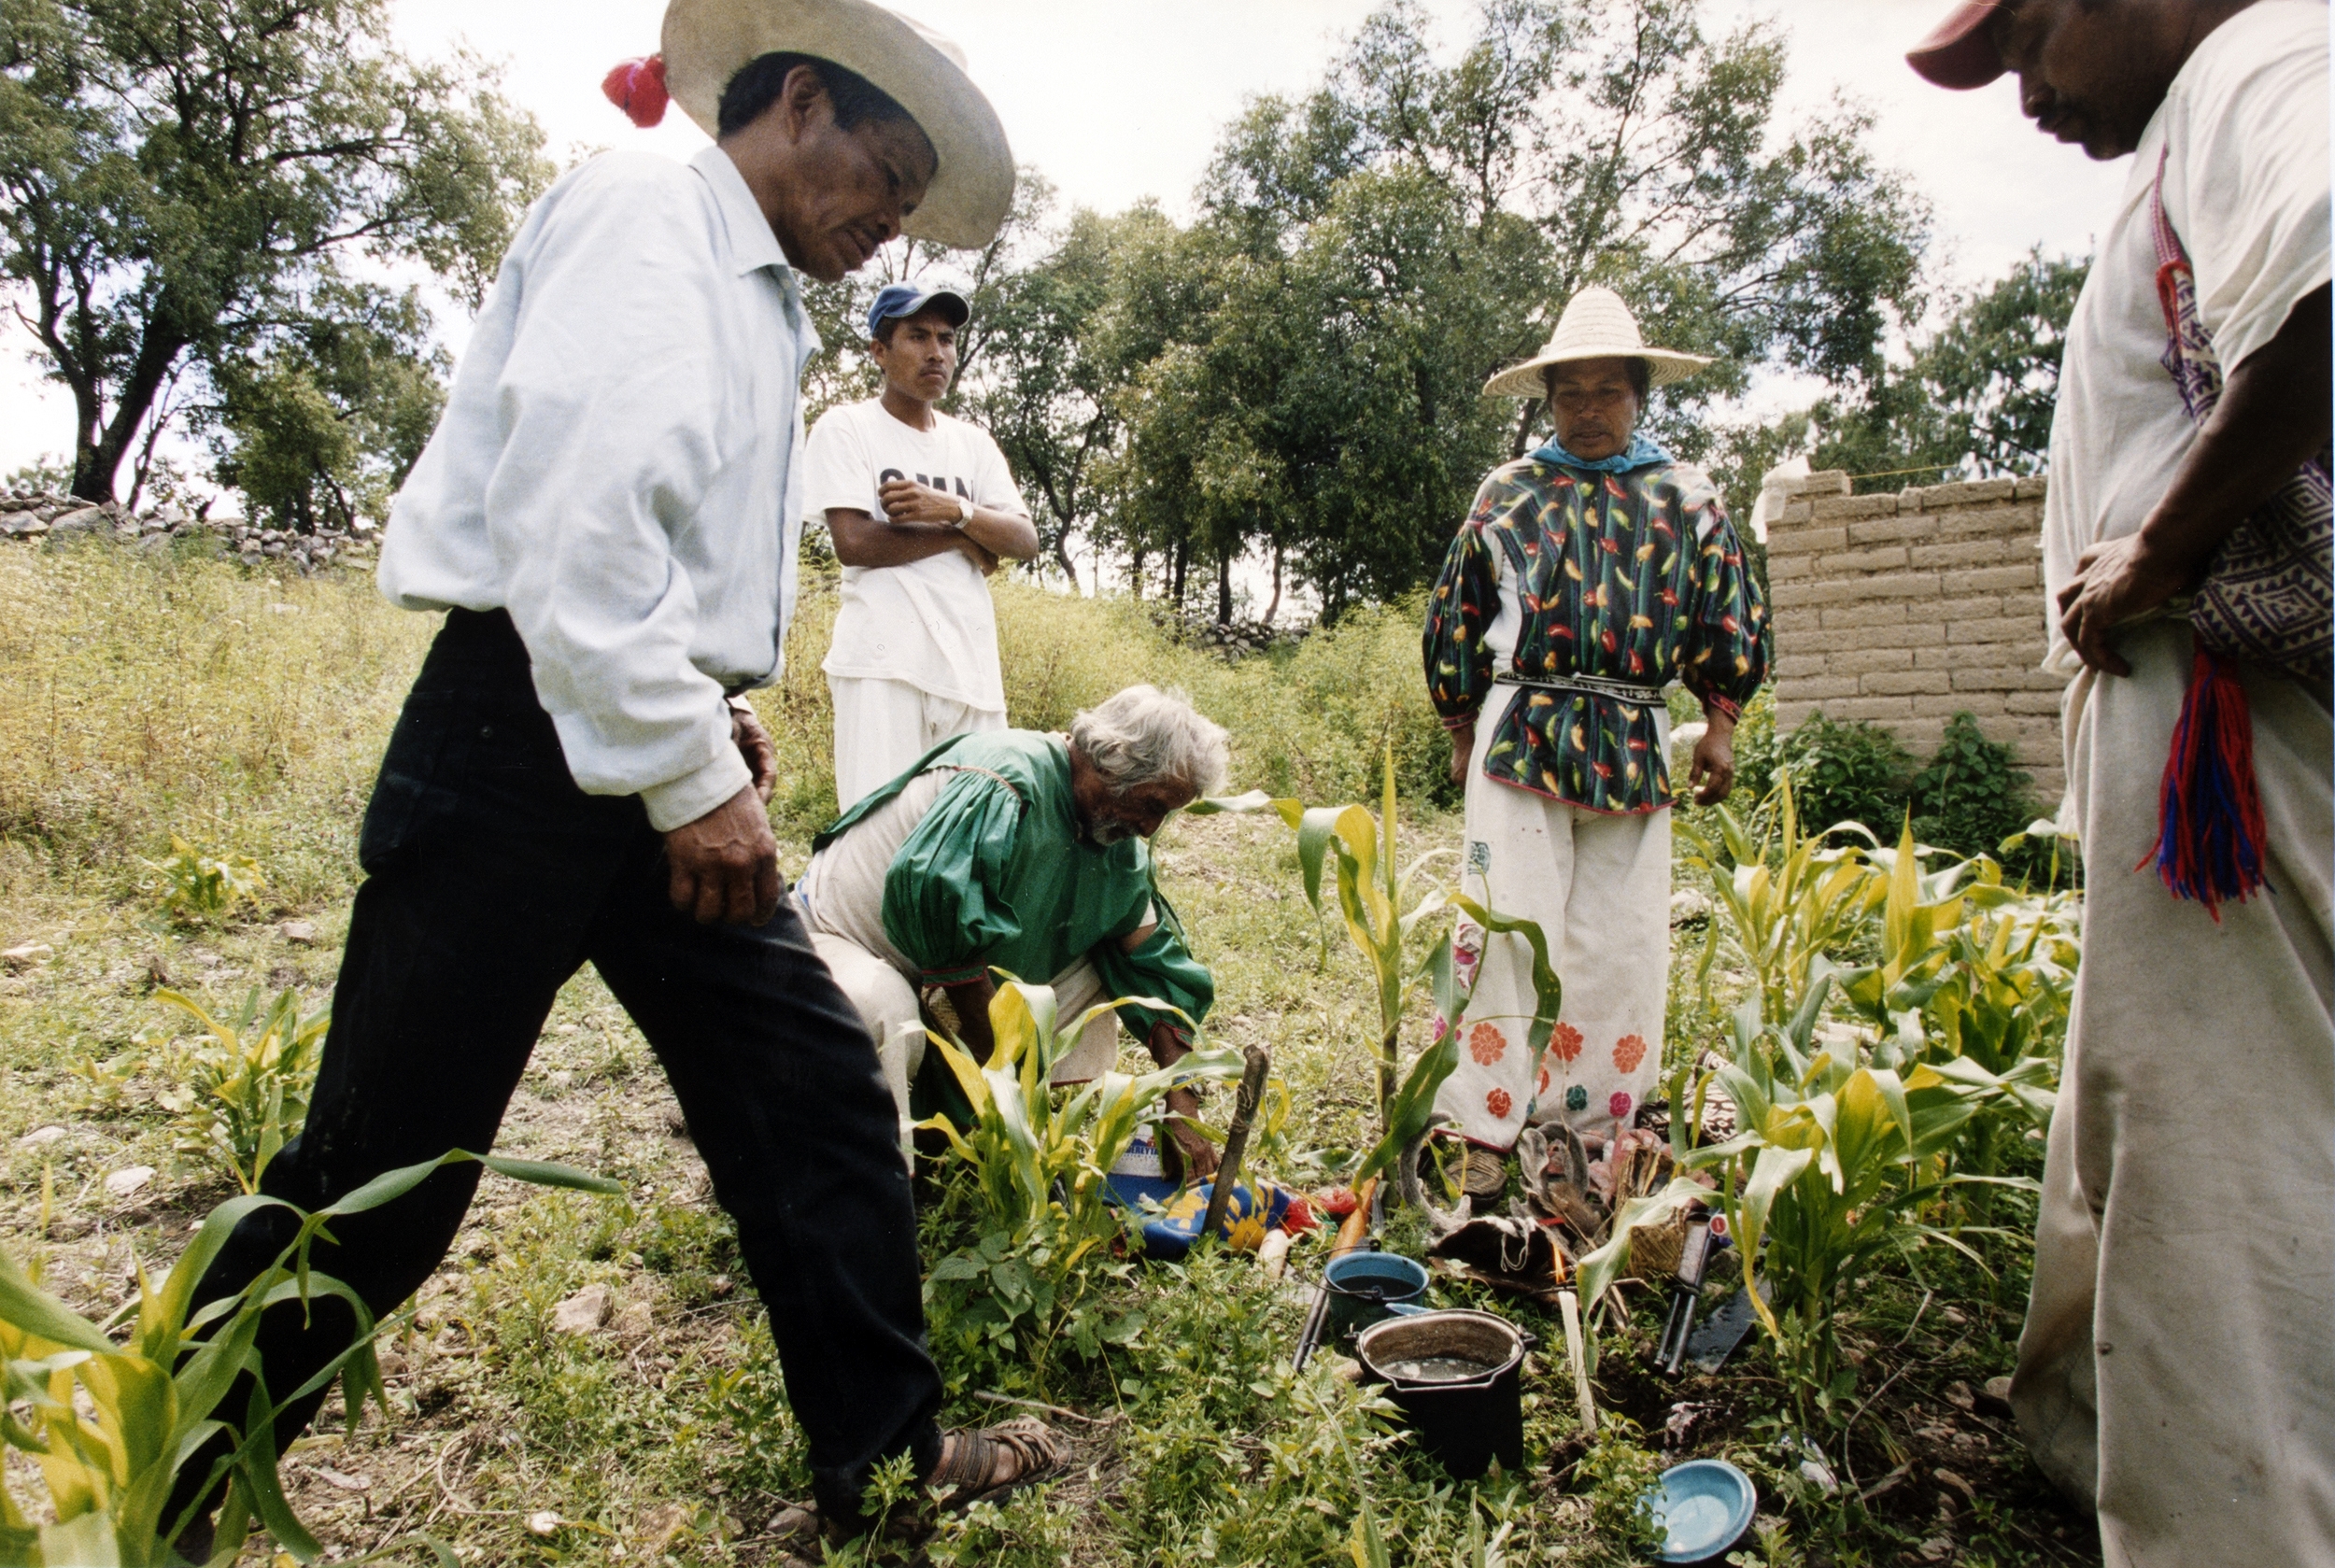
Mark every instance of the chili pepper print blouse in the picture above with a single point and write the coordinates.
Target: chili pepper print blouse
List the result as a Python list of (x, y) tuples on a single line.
[(1560, 571)]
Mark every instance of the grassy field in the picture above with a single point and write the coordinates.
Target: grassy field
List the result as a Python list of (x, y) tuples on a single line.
[(145, 696)]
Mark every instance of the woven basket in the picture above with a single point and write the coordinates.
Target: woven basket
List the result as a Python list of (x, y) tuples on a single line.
[(1654, 1250)]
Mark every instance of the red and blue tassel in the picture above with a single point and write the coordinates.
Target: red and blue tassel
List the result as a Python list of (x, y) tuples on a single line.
[(2211, 835)]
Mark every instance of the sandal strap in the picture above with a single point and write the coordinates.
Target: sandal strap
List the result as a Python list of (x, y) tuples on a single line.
[(968, 1460)]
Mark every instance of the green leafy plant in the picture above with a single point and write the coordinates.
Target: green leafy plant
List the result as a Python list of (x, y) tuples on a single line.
[(109, 1424), (1846, 771), (242, 1090), (1969, 796), (199, 887)]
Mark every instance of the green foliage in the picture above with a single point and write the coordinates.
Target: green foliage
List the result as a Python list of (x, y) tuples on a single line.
[(184, 183), (106, 1467), (1851, 771), (1969, 798), (242, 1091), (200, 888)]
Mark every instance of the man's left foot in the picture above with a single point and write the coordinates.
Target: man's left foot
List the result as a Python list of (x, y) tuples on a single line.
[(984, 1465)]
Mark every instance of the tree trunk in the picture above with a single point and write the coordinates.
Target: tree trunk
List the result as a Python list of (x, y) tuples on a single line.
[(1522, 442), (1062, 557), (1135, 571), (1175, 581), (1273, 606), (1223, 588)]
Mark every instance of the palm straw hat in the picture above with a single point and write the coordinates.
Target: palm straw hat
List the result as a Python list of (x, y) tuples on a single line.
[(1595, 325), (709, 41)]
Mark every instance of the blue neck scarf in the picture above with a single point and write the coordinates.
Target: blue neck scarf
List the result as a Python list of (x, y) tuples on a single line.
[(1640, 453)]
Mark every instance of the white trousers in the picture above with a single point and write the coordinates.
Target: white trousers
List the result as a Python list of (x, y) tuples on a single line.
[(882, 726), (2177, 1362), (1599, 888)]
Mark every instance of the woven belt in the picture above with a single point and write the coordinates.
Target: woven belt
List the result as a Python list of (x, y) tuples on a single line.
[(1589, 686)]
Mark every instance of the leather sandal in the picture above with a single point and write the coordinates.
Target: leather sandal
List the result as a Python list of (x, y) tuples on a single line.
[(995, 1462)]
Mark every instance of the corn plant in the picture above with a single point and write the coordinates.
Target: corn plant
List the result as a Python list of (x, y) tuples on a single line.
[(109, 1422), (1789, 897), (1830, 1163), (242, 1091), (199, 887)]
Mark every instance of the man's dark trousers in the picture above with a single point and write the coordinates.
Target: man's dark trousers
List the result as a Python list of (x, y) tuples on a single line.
[(491, 878)]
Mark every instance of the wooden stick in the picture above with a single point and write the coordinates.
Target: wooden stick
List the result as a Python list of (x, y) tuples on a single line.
[(1569, 1308), (1040, 1405), (1236, 1139)]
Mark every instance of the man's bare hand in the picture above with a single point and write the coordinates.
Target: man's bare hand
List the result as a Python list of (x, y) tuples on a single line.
[(1463, 747), (907, 502), (725, 865), (979, 554), (1199, 1154), (754, 743), (1713, 770), (2114, 582)]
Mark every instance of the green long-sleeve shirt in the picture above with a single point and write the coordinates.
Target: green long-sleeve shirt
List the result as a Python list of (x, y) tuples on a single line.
[(996, 874)]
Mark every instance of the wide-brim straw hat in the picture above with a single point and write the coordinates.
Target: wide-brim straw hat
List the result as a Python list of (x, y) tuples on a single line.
[(709, 41), (1595, 325)]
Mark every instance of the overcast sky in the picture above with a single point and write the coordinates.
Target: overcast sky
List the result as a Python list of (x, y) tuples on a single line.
[(1121, 101)]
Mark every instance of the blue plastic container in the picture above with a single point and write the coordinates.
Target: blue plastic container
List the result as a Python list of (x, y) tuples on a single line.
[(1703, 1507), (1369, 1287)]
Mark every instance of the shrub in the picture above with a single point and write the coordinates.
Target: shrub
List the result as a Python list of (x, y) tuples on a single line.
[(1969, 798), (1849, 771)]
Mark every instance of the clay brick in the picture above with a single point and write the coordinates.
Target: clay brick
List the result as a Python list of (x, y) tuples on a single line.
[(1990, 677), (2032, 702), (1891, 530), (2010, 629), (1889, 613), (2030, 488), (1966, 551), (1824, 481), (1792, 715), (1968, 493), (1848, 509), (1843, 563), (1816, 689), (1954, 608), (1897, 585), (1793, 594), (1940, 658), (1999, 579), (1861, 661), (1978, 704), (1902, 682), (1874, 708), (1804, 540), (1789, 566), (1795, 511), (1992, 522)]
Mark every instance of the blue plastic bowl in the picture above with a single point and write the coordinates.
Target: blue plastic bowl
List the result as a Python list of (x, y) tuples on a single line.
[(1368, 1287), (1703, 1507)]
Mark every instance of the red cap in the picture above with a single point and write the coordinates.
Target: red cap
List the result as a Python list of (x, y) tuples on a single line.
[(1958, 53), (638, 88)]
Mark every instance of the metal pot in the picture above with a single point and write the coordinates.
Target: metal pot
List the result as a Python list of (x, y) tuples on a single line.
[(1456, 1377), (1368, 1287)]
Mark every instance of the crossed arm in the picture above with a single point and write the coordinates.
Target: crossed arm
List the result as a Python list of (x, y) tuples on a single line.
[(921, 521)]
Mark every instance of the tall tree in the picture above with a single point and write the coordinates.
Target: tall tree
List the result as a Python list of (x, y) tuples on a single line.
[(187, 184)]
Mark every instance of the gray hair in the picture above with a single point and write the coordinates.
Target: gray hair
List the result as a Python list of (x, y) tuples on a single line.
[(1145, 734)]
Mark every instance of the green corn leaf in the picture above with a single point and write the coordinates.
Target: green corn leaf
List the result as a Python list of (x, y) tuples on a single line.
[(1408, 1114)]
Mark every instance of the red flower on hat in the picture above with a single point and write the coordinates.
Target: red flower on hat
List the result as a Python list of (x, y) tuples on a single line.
[(1486, 1044), (1498, 1103), (638, 88), (1628, 1052), (1565, 1044), (1619, 1106)]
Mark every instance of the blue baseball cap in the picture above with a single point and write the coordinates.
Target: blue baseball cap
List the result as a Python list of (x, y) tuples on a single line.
[(898, 300)]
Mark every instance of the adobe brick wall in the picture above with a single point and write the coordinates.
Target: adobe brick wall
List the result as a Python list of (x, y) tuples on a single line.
[(1907, 609)]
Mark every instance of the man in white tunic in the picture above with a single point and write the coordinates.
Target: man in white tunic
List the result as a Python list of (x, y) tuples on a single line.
[(602, 515), (2176, 1365), (922, 507)]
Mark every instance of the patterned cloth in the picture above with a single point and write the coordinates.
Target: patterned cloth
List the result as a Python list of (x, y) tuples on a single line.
[(1560, 571)]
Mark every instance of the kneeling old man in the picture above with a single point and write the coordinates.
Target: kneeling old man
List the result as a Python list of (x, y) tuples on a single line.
[(1024, 852)]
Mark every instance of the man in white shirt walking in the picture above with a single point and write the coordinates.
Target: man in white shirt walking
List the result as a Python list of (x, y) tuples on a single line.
[(2174, 1365), (606, 513), (922, 508)]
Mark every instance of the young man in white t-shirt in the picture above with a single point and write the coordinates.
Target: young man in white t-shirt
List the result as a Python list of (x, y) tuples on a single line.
[(922, 508)]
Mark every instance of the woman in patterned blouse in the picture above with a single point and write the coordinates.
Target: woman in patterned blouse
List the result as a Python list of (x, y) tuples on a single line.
[(1587, 576)]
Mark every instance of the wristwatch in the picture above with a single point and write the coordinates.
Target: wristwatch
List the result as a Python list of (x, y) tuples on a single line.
[(964, 511)]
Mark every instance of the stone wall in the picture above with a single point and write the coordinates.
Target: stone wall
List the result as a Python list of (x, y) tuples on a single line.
[(1907, 609)]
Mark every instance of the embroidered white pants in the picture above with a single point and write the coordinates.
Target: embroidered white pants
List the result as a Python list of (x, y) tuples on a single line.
[(1599, 888)]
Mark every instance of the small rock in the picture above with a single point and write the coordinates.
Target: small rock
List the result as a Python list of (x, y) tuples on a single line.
[(1958, 1395), (544, 1523), (660, 1524), (638, 1320), (1994, 1396), (24, 957), (1951, 1479), (562, 1079), (299, 933), (721, 1285), (1953, 1315), (40, 1137), (792, 1523), (87, 519), (122, 1184), (583, 1312)]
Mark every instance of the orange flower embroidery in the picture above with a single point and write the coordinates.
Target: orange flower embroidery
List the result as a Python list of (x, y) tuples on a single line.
[(1498, 1103), (1486, 1044), (1628, 1052), (1544, 1080), (1565, 1044)]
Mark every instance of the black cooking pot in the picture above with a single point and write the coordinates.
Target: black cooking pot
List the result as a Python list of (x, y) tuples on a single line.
[(1456, 1377)]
